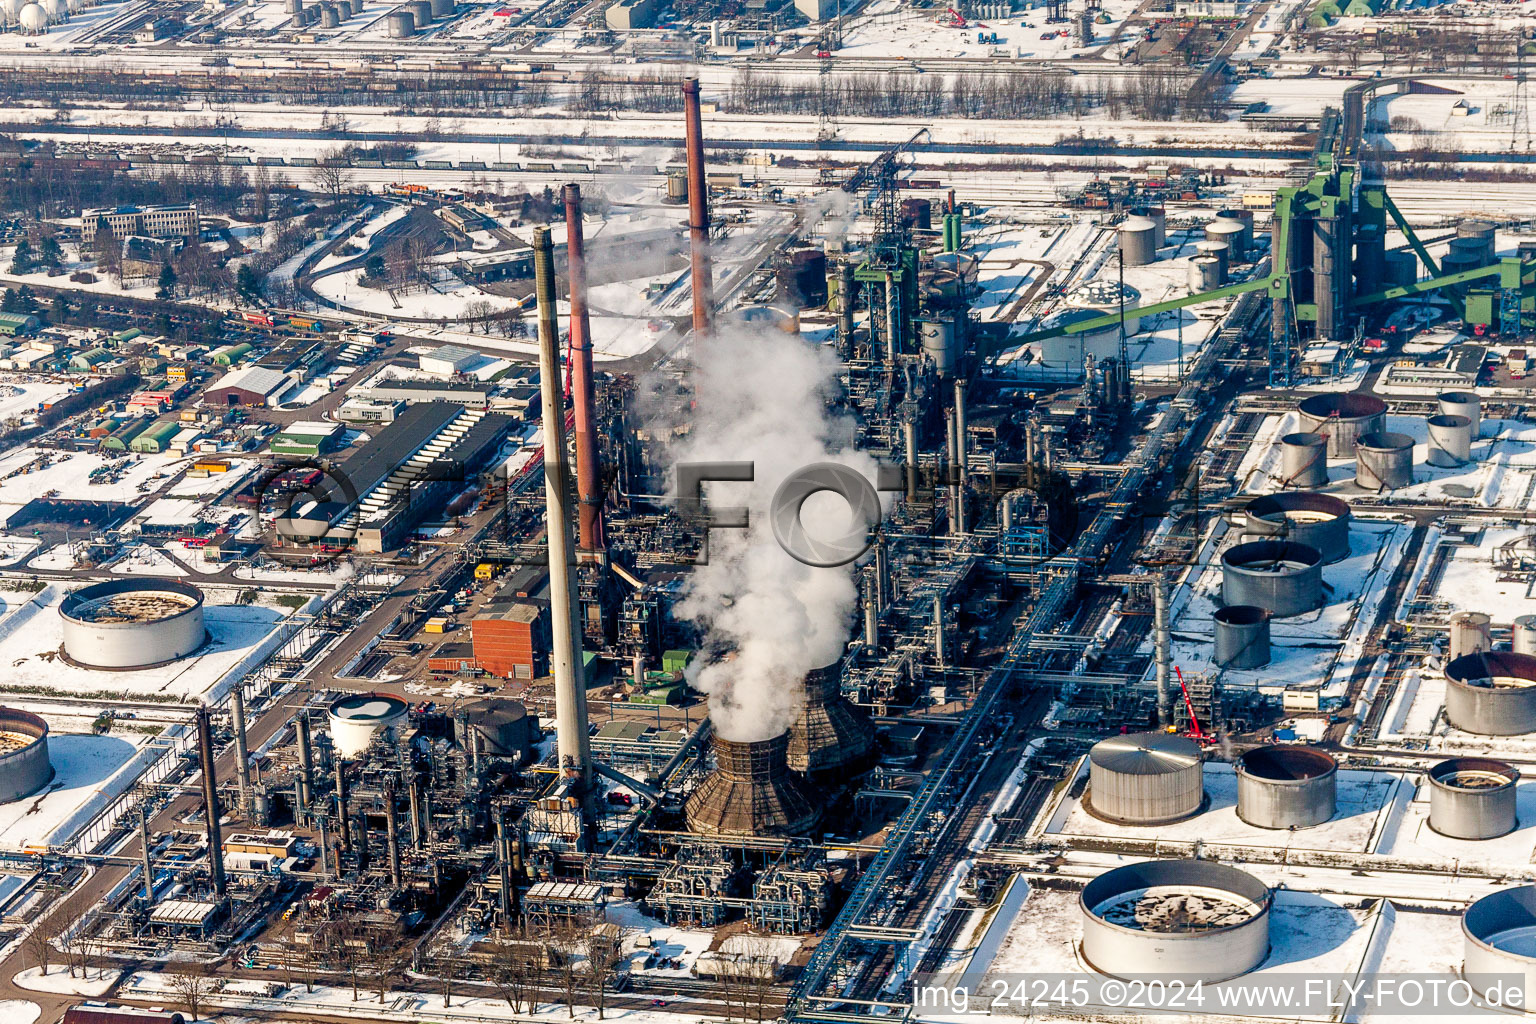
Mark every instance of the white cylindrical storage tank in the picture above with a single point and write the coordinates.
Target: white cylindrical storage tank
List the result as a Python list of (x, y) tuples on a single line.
[(1384, 461), (1450, 441), (1138, 241), (1147, 778), (1473, 798), (1463, 403), (1491, 693), (1470, 633), (1205, 274), (1282, 577), (1242, 637), (1317, 520), (1190, 920), (1499, 940), (24, 764), (1304, 460), (402, 24), (1159, 217), (132, 623), (1286, 787), (1522, 638), (1108, 297), (356, 719), (1231, 232), (939, 341), (1343, 418), (1220, 251)]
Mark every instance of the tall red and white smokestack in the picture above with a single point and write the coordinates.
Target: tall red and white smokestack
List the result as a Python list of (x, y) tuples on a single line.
[(565, 639), (588, 470), (698, 209)]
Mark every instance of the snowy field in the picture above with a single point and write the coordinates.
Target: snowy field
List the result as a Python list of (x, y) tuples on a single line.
[(31, 639), (85, 767)]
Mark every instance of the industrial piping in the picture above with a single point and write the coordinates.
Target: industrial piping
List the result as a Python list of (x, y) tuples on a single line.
[(588, 471), (242, 758), (565, 641), (698, 209), (210, 801)]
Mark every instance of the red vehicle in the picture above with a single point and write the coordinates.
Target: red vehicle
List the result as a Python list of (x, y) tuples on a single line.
[(260, 319)]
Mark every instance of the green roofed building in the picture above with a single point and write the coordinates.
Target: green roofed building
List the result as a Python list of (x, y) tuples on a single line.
[(12, 324), (156, 437)]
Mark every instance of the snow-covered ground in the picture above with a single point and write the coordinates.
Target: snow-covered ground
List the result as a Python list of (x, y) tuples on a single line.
[(86, 768), (30, 650)]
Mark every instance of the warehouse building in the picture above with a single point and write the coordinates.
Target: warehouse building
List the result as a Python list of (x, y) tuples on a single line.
[(511, 638), (12, 324), (307, 439), (410, 470), (449, 360), (156, 438), (179, 221), (249, 385), (473, 396)]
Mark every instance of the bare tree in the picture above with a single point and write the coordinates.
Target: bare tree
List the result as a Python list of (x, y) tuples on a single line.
[(514, 970), (332, 176), (192, 987), (386, 960), (604, 950), (39, 944), (567, 942)]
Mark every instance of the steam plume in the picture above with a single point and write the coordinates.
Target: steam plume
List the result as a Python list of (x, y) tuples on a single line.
[(765, 396)]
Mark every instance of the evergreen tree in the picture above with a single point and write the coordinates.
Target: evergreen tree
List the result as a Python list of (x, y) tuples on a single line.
[(167, 283), (25, 260)]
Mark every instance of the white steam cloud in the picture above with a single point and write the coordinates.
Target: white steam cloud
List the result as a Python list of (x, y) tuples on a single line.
[(765, 396)]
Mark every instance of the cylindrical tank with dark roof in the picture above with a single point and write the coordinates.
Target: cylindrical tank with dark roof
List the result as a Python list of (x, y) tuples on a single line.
[(1318, 520), (1138, 241), (1344, 417), (1146, 778), (1473, 798), (1159, 217), (1242, 637), (1450, 441), (1384, 461), (1463, 403), (1286, 787), (1304, 460), (1282, 577), (1492, 693)]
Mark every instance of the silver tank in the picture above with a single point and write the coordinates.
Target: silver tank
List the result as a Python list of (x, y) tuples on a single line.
[(402, 24), (1317, 520), (421, 10), (1479, 236), (1384, 461), (293, 6), (1233, 232), (1471, 632), (1473, 798), (1304, 460), (1138, 241), (1205, 274), (1522, 639), (1344, 418), (939, 343), (1242, 637), (1450, 441), (24, 767), (442, 8), (1140, 920), (1220, 250), (1286, 787), (1463, 403), (1283, 577), (330, 17), (1491, 693), (1159, 217), (1147, 778), (1497, 940)]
